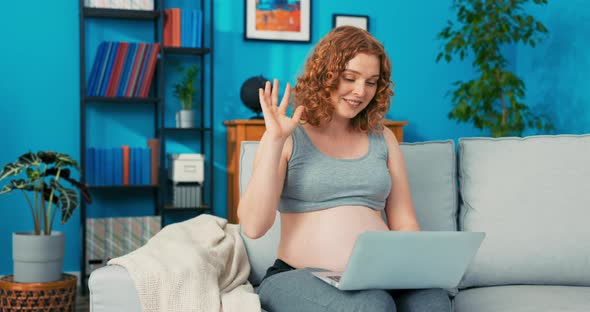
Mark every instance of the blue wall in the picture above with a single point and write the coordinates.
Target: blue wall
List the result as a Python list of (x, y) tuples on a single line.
[(39, 97)]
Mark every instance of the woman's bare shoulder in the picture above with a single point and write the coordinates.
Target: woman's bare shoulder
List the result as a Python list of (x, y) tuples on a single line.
[(390, 138)]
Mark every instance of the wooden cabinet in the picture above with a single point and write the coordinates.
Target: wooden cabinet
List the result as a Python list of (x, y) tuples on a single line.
[(252, 130)]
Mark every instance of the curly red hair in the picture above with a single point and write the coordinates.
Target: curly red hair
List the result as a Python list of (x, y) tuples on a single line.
[(321, 76)]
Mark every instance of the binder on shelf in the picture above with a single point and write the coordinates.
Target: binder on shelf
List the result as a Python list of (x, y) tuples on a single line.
[(154, 147), (95, 68), (151, 67), (146, 166), (126, 164), (109, 71), (135, 71), (122, 86), (117, 69), (103, 68), (89, 173), (118, 166)]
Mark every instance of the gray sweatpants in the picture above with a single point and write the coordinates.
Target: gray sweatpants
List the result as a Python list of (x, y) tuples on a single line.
[(298, 290)]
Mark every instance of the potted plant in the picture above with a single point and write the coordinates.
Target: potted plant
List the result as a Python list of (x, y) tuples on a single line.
[(495, 99), (184, 91), (38, 255)]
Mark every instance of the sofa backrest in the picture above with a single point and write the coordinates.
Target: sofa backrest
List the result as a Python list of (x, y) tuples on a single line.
[(532, 197), (431, 170)]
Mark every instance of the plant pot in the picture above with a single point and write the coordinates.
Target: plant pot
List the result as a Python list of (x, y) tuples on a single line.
[(185, 118), (37, 258)]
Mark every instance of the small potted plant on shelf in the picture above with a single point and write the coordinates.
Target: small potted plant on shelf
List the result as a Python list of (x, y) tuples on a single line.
[(184, 92), (38, 255)]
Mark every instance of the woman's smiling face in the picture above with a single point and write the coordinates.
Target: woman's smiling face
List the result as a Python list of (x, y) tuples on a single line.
[(357, 87)]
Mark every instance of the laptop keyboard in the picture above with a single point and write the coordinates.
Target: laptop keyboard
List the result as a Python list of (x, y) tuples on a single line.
[(334, 278)]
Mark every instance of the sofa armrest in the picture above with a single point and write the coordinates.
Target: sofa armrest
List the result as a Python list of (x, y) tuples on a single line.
[(112, 290)]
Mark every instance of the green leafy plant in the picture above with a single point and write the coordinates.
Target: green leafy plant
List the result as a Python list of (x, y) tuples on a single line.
[(495, 99), (44, 173), (185, 89)]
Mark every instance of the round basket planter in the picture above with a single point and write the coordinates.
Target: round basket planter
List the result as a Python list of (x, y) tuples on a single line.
[(38, 297), (37, 258)]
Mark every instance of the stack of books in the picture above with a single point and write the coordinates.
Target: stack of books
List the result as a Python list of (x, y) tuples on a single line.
[(147, 5), (123, 165), (183, 28), (123, 69)]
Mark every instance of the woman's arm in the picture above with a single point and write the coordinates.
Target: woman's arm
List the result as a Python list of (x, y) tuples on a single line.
[(399, 208), (258, 205), (259, 202)]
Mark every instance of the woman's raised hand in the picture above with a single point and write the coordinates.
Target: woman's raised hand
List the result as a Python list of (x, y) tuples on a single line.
[(278, 124)]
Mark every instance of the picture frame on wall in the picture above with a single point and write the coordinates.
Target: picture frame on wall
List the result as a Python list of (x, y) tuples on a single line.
[(277, 20), (360, 21)]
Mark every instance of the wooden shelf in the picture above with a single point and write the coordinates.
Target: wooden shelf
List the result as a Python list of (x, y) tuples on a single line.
[(123, 100), (182, 50), (172, 208), (121, 14), (180, 130), (123, 187)]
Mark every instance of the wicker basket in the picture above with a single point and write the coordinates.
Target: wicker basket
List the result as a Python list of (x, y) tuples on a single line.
[(38, 297)]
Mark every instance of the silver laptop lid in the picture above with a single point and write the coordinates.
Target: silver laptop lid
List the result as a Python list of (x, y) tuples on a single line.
[(409, 260)]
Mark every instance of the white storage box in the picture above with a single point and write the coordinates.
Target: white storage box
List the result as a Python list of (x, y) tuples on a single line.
[(186, 167)]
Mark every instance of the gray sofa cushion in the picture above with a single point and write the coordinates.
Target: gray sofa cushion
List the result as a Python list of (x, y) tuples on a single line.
[(530, 195), (432, 176), (523, 298)]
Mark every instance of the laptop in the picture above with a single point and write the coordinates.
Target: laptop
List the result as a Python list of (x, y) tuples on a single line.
[(406, 260)]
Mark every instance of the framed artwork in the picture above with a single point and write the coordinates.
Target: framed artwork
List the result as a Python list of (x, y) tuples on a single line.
[(277, 20), (360, 21)]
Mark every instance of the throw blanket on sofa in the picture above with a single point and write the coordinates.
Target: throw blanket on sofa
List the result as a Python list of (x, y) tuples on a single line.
[(196, 265)]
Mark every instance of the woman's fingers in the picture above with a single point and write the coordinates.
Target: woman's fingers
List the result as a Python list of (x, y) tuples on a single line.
[(297, 114), (262, 100), (275, 92), (285, 100)]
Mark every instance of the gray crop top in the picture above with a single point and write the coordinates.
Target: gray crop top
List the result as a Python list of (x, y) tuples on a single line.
[(316, 181)]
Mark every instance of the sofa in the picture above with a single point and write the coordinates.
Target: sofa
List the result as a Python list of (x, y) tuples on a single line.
[(531, 196)]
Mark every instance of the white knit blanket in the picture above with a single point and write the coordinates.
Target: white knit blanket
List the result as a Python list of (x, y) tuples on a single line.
[(196, 265)]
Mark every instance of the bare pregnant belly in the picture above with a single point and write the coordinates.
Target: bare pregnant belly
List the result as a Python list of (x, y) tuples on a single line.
[(324, 238)]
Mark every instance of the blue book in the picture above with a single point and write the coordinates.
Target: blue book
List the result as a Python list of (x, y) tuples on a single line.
[(137, 164), (108, 166), (146, 166), (95, 67), (126, 69), (112, 168), (103, 68), (132, 169), (89, 171), (199, 29), (109, 71), (182, 30), (185, 25), (98, 167), (118, 167), (194, 28)]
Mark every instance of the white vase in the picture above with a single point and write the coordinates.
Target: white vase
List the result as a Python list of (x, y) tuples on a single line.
[(185, 118), (37, 258)]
